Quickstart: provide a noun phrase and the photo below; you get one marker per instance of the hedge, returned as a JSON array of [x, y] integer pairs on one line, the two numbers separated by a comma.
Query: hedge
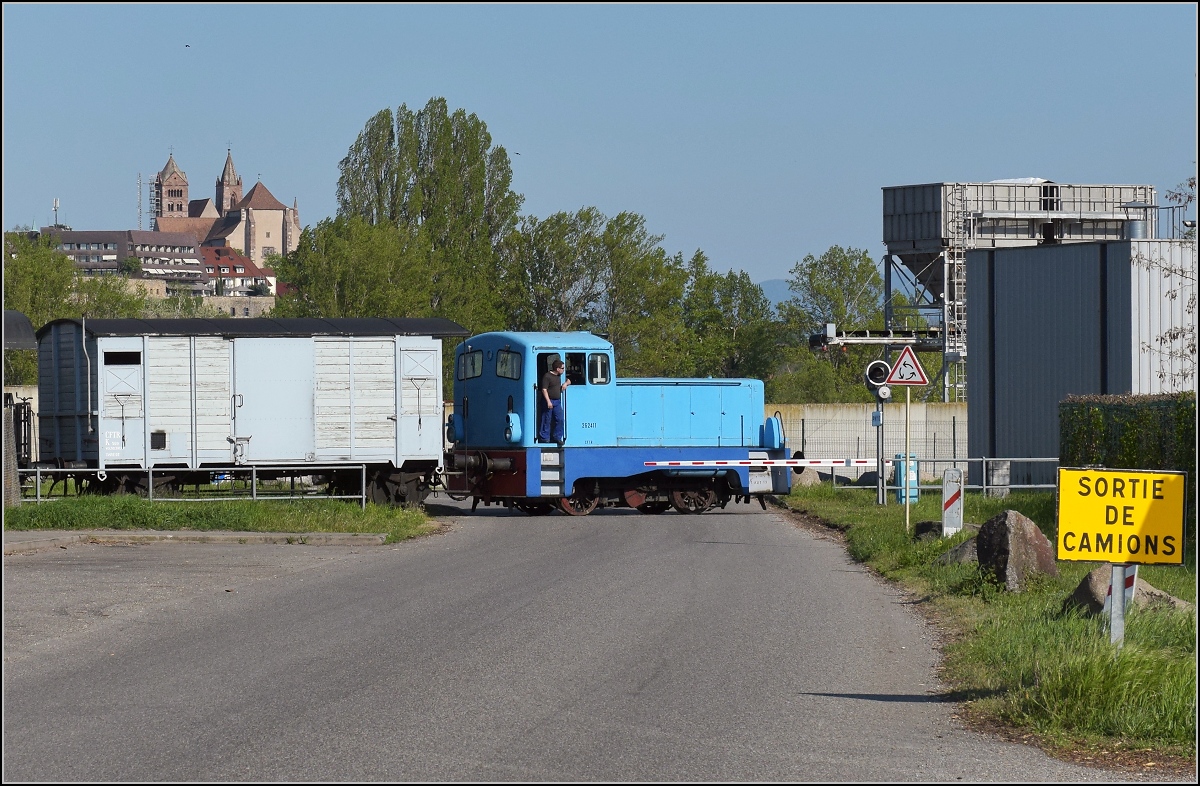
[[1131, 432]]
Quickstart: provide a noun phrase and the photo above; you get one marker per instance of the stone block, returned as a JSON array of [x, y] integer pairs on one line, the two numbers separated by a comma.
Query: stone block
[[1090, 594], [1013, 550]]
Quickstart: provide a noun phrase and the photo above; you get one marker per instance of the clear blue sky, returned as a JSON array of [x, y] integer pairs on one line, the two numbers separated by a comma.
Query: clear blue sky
[[757, 133]]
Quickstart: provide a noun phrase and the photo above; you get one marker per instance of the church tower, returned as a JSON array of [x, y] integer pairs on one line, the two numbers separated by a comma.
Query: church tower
[[229, 186], [170, 191]]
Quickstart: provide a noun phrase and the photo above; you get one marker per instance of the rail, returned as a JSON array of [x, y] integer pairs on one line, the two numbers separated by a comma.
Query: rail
[[217, 476]]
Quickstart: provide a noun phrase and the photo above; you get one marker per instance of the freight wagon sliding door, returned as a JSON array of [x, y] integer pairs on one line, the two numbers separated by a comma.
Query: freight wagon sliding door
[[356, 399], [419, 402], [211, 411], [273, 400]]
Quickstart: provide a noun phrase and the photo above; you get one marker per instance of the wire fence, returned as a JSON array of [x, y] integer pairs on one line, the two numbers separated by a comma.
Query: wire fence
[[211, 484]]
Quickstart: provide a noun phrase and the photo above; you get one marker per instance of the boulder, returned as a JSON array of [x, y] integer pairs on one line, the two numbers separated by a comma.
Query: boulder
[[869, 479], [924, 531], [1013, 550], [1089, 596], [961, 554], [805, 476]]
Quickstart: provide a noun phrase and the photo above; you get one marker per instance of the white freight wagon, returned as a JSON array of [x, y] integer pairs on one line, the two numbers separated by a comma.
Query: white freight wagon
[[125, 395]]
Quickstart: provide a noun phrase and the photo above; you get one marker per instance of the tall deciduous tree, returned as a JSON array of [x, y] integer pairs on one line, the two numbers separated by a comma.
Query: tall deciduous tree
[[555, 271], [437, 174], [583, 271], [730, 322], [641, 310], [842, 286], [347, 267]]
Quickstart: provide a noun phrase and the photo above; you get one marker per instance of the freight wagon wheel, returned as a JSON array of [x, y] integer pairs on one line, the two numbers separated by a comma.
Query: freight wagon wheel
[[378, 492], [532, 507], [654, 508], [693, 500], [130, 484], [411, 493], [578, 506]]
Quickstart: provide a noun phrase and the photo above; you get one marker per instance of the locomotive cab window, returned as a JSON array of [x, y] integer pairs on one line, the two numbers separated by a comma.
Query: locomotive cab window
[[598, 369], [508, 364], [122, 358], [576, 363], [575, 368], [470, 364]]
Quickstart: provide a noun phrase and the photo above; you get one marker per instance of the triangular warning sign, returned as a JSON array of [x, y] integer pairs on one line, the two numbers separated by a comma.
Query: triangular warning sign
[[907, 370]]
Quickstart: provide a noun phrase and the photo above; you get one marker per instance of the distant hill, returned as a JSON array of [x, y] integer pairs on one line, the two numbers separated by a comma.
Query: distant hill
[[776, 290]]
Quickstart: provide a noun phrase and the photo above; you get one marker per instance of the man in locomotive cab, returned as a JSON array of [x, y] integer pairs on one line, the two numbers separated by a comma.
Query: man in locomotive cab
[[553, 424]]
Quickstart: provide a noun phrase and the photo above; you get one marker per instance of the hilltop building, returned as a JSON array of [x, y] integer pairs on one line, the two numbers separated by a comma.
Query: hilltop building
[[257, 224]]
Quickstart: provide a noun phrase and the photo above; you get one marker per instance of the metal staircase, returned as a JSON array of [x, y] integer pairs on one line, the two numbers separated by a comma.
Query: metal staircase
[[960, 220]]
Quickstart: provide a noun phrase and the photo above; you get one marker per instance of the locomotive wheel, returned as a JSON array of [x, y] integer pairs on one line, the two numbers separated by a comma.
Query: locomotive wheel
[[693, 500], [578, 506], [655, 507], [533, 507], [635, 498]]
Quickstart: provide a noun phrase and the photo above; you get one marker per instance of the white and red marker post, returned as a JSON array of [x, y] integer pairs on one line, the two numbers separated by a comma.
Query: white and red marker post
[[952, 501]]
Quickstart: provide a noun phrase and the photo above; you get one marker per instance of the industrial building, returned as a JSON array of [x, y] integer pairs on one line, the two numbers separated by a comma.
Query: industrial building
[[929, 229], [1085, 318]]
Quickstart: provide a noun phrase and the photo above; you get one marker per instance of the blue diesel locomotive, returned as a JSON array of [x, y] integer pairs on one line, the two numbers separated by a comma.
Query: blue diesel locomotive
[[649, 444]]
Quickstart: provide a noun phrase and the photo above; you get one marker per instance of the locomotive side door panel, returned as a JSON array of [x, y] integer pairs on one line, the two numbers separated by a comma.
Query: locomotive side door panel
[[272, 399], [705, 415], [590, 400]]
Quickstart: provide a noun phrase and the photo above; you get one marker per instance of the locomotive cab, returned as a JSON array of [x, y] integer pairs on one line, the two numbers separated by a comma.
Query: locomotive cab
[[497, 402]]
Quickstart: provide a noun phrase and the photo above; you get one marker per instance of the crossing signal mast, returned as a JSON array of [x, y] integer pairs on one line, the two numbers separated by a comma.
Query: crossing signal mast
[[876, 377]]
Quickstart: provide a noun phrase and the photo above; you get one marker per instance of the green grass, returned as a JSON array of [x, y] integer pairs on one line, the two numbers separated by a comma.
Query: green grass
[[1018, 657], [303, 516]]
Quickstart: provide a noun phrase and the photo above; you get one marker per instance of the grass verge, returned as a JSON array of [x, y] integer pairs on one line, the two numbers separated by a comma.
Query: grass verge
[[1016, 659], [303, 516]]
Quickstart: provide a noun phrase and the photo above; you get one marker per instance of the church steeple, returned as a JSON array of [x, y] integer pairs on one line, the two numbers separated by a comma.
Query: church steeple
[[229, 186], [171, 191]]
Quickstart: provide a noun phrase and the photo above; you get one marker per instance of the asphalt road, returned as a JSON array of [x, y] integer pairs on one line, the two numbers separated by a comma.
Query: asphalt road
[[731, 646]]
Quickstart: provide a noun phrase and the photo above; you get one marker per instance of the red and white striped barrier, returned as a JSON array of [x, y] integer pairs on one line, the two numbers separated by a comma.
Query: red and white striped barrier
[[771, 463]]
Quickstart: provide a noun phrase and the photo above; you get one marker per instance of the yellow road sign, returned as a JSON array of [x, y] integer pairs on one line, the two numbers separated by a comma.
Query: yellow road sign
[[1121, 516]]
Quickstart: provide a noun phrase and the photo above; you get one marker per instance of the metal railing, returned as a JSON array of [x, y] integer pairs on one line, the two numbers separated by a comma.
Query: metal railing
[[217, 476], [985, 486]]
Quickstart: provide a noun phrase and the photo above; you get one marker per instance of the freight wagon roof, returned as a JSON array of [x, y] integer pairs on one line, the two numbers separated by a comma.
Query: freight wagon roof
[[291, 327], [18, 331]]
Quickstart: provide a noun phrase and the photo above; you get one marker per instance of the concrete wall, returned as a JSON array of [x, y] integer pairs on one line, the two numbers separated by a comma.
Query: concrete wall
[[841, 431], [256, 305]]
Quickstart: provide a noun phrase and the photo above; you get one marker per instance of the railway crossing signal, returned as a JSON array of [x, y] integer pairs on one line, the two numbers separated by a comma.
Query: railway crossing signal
[[876, 376]]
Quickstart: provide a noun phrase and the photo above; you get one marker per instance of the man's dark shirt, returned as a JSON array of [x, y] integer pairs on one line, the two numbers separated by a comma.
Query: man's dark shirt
[[552, 384]]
